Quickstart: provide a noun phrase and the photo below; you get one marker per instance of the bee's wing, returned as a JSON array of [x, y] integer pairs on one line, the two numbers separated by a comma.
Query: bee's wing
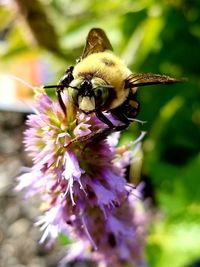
[[142, 79], [96, 41]]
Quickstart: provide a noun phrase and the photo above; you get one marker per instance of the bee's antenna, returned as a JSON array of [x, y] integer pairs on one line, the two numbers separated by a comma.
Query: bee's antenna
[[53, 86], [59, 86], [103, 86]]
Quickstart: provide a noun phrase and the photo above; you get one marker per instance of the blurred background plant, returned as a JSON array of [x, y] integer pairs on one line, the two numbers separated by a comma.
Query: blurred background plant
[[40, 39]]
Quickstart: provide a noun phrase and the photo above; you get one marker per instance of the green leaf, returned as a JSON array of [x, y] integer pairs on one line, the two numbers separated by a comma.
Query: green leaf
[[64, 240]]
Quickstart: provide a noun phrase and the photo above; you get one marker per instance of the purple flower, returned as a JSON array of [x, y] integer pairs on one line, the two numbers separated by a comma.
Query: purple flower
[[82, 185]]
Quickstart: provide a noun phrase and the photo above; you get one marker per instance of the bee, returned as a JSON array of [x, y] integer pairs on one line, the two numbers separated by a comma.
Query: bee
[[100, 82]]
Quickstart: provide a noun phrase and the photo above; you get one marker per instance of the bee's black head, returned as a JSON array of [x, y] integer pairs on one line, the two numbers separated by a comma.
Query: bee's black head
[[89, 94], [86, 89]]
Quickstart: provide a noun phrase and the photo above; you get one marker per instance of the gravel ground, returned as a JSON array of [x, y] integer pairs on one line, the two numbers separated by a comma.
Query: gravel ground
[[18, 238]]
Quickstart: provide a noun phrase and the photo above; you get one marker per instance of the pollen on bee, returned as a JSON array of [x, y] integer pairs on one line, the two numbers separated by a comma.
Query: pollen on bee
[[134, 104]]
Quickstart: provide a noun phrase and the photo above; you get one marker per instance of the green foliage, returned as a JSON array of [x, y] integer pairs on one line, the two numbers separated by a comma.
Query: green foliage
[[64, 240], [152, 36]]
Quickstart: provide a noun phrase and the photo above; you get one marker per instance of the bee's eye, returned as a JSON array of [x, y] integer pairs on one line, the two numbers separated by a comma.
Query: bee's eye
[[101, 96], [98, 92], [73, 90], [73, 94]]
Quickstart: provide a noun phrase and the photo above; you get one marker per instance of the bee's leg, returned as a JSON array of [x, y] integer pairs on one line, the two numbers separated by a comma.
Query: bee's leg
[[121, 117], [68, 76], [121, 127], [58, 92], [104, 119], [64, 82], [101, 134]]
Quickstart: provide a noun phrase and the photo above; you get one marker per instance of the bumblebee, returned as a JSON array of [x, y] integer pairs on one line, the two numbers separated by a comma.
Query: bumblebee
[[100, 82]]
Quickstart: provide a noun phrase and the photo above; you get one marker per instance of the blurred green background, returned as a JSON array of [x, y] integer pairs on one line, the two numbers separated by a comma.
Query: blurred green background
[[40, 39]]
